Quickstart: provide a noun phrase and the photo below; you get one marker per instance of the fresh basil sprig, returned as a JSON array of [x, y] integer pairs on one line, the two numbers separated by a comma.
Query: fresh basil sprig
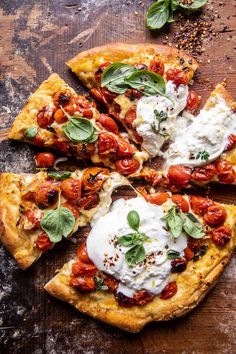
[[31, 132], [58, 222], [147, 82], [174, 222], [60, 175], [114, 77]]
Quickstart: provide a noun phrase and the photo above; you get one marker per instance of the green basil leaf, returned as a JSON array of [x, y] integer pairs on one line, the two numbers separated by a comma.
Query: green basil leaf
[[196, 4], [60, 175], [100, 284], [31, 132], [174, 222], [135, 255], [158, 14], [93, 138], [172, 254], [193, 229], [147, 82], [133, 220], [113, 77], [79, 130], [174, 4], [58, 223], [132, 239]]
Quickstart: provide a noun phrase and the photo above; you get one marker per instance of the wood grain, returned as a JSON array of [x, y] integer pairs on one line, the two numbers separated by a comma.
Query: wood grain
[[36, 39]]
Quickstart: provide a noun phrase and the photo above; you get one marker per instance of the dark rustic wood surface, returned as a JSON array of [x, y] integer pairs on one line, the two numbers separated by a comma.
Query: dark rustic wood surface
[[37, 38]]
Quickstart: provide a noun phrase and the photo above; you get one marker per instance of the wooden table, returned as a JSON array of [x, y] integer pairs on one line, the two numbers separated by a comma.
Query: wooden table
[[37, 38]]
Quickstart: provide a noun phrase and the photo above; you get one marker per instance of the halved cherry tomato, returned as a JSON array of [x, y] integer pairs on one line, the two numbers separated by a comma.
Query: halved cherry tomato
[[81, 268], [124, 148], [169, 291], [200, 205], [179, 175], [188, 253], [132, 94], [60, 116], [108, 123], [83, 106], [124, 300], [181, 202], [225, 172], [45, 117], [177, 76], [204, 173], [231, 142], [70, 107], [178, 265], [71, 189], [100, 70], [83, 284], [215, 215], [127, 166], [33, 218], [43, 243], [157, 198], [142, 297], [157, 67], [44, 159], [111, 282], [88, 202], [93, 178], [107, 145], [82, 253], [62, 97], [72, 208], [221, 236], [46, 194], [193, 101], [130, 116]]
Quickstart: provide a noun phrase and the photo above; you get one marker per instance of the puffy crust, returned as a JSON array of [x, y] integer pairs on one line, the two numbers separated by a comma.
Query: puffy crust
[[86, 63], [193, 285]]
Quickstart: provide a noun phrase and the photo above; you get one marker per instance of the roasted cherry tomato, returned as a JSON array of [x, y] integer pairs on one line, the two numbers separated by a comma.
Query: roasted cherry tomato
[[83, 284], [62, 146], [100, 70], [46, 195], [93, 178], [43, 243], [231, 142], [38, 140], [107, 145], [177, 76], [60, 116], [225, 172], [204, 173], [97, 94], [83, 106], [44, 159], [215, 215], [157, 198], [178, 265], [62, 97], [82, 253], [45, 117], [142, 297], [111, 282], [200, 205], [127, 166], [221, 236], [157, 67], [132, 94], [179, 175], [124, 148], [32, 218], [181, 202], [72, 208], [71, 189], [88, 202], [108, 95], [83, 150], [188, 253], [108, 123], [81, 268], [193, 101], [130, 116], [169, 290], [124, 300]]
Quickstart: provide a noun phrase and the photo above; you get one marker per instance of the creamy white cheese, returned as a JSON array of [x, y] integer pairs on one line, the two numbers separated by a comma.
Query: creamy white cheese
[[109, 256], [146, 122], [207, 132]]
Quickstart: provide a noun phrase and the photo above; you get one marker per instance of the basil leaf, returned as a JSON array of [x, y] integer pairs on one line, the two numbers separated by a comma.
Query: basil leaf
[[133, 220], [132, 239], [158, 14], [58, 223], [31, 132], [100, 284], [196, 4], [174, 5], [174, 222], [79, 130], [60, 175], [93, 138], [193, 229], [147, 82], [172, 254], [135, 255], [113, 77]]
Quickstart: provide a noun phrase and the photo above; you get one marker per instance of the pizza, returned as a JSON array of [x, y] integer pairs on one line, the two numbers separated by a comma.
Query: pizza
[[150, 258], [56, 117], [37, 210]]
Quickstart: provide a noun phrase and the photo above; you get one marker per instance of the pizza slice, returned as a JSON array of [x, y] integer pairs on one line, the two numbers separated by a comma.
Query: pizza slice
[[37, 210], [148, 259], [56, 117]]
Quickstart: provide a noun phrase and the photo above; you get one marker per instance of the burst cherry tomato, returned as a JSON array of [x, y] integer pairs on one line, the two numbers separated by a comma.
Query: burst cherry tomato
[[45, 117], [108, 95], [88, 202], [142, 297], [157, 67], [43, 243], [179, 175], [38, 140], [188, 253], [83, 106], [215, 215], [204, 173], [62, 97], [83, 284], [93, 178], [130, 116], [200, 205], [192, 101], [71, 189], [62, 146], [124, 300], [225, 172], [81, 268], [44, 159], [177, 76], [132, 94], [100, 70], [231, 142], [33, 218], [124, 148], [60, 116], [46, 194], [127, 166], [82, 253], [107, 145], [108, 123], [178, 265], [169, 290], [72, 208], [181, 202], [97, 94], [157, 198], [111, 282], [221, 236]]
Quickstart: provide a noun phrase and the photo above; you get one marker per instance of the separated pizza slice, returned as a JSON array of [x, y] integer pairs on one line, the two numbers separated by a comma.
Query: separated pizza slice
[[38, 210], [56, 117], [149, 259]]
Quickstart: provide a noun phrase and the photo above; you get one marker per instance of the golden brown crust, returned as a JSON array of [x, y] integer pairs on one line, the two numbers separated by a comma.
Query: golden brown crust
[[193, 284], [86, 63]]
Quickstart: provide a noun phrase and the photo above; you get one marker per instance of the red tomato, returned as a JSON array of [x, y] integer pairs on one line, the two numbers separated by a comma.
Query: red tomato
[[204, 173], [100, 70], [177, 76], [221, 236], [189, 254], [127, 166], [179, 175], [83, 106], [108, 123], [83, 284], [132, 94], [47, 194], [97, 94], [82, 253], [178, 265], [72, 208], [38, 140], [157, 67], [108, 95], [88, 202], [71, 189], [124, 148], [93, 178], [130, 116], [181, 202], [45, 117], [44, 159], [33, 218], [124, 300], [142, 297], [169, 291], [60, 116], [157, 198], [107, 145], [200, 205], [62, 97], [43, 243], [111, 282], [225, 172], [81, 268], [215, 215], [192, 101], [231, 142]]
